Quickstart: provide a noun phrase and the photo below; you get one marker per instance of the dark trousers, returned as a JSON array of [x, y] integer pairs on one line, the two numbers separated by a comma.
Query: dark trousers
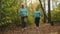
[[37, 20], [23, 21]]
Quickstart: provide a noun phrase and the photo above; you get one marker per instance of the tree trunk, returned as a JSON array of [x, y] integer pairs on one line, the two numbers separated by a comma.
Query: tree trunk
[[44, 12], [0, 8], [49, 13]]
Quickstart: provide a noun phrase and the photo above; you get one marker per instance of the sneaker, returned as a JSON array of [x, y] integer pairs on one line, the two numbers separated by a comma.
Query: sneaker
[[37, 27], [24, 29]]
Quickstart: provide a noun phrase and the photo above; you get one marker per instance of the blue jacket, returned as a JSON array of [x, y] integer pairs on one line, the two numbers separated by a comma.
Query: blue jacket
[[37, 14], [23, 12]]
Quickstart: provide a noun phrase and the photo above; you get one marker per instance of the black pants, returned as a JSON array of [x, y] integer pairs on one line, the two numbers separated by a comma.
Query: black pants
[[23, 22], [37, 20]]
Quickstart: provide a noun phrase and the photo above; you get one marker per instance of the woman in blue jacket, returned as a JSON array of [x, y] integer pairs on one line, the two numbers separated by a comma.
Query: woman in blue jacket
[[37, 17], [23, 13]]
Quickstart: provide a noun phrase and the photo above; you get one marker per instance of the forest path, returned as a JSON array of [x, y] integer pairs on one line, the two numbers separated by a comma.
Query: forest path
[[43, 29]]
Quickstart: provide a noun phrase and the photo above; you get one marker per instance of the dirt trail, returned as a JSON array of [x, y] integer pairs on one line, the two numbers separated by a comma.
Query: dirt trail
[[43, 29]]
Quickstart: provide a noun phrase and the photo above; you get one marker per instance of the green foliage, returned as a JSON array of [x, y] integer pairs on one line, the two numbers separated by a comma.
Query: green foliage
[[55, 14], [10, 15], [9, 11], [30, 16]]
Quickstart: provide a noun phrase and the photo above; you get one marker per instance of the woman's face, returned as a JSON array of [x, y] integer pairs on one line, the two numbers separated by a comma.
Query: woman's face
[[22, 6], [37, 9]]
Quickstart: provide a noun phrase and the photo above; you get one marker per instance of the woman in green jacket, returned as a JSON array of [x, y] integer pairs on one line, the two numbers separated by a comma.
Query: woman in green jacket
[[37, 17], [24, 14]]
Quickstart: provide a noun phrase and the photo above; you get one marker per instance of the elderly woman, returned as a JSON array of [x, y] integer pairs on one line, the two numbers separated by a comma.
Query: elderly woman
[[23, 13], [37, 17]]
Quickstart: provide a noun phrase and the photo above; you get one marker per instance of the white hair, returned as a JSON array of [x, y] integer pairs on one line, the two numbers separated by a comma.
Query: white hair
[[22, 3]]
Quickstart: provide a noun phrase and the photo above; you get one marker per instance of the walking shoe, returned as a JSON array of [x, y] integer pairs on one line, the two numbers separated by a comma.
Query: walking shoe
[[37, 27], [24, 29]]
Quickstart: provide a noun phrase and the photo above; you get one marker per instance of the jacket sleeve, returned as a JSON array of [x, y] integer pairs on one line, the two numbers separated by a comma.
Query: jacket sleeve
[[27, 12], [40, 13]]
